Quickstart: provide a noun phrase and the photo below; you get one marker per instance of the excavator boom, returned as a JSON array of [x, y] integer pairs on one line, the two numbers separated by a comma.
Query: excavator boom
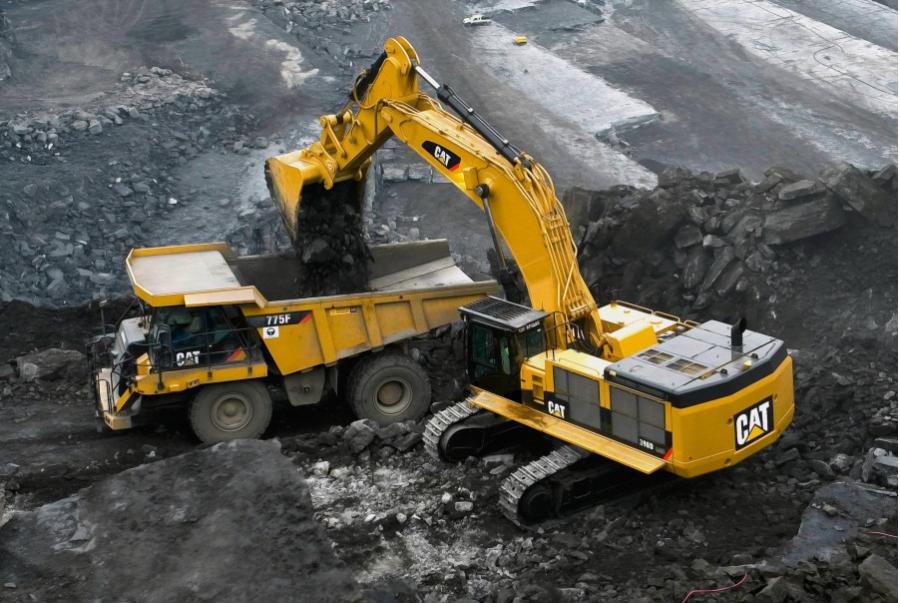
[[515, 192]]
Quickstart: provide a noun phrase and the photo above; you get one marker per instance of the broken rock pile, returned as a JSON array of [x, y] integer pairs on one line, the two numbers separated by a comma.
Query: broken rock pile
[[320, 23], [720, 235], [82, 186]]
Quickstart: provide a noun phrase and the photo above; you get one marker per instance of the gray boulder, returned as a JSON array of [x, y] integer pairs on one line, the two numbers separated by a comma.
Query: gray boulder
[[723, 259], [834, 516], [51, 363], [859, 192], [359, 435], [802, 220], [801, 188], [695, 267], [880, 576], [649, 225], [230, 523]]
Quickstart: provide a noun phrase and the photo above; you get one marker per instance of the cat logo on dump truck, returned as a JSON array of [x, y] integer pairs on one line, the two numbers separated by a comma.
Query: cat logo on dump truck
[[753, 423], [448, 158]]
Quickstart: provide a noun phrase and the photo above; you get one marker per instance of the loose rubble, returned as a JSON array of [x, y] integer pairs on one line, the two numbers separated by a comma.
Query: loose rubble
[[716, 241], [319, 24], [73, 204]]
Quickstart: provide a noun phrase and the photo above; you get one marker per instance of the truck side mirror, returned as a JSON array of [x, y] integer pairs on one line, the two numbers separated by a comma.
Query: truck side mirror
[[164, 336], [162, 357]]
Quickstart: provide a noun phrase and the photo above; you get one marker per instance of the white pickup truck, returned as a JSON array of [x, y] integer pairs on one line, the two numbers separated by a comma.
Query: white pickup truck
[[476, 20]]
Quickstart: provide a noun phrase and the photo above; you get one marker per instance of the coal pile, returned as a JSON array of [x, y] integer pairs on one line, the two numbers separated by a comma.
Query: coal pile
[[703, 243], [331, 242], [229, 523]]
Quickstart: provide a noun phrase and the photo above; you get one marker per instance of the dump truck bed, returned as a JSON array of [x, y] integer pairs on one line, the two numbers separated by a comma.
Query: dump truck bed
[[413, 289], [191, 275]]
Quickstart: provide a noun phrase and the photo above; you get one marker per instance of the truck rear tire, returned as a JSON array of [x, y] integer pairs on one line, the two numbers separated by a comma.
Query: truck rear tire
[[389, 387], [231, 411]]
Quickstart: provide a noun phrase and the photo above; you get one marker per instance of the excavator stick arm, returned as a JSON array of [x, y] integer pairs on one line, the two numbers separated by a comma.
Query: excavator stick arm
[[515, 192]]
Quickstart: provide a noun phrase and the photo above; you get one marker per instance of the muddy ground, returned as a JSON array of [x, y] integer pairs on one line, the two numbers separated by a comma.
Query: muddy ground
[[138, 123]]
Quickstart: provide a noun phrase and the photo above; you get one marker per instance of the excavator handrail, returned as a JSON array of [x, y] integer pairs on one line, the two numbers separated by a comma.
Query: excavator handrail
[[672, 317]]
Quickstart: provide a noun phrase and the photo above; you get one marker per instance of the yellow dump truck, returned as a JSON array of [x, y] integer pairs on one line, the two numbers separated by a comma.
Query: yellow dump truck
[[222, 336]]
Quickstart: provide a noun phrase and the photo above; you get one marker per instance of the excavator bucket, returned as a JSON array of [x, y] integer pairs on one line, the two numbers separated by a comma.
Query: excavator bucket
[[286, 177], [331, 169], [302, 194]]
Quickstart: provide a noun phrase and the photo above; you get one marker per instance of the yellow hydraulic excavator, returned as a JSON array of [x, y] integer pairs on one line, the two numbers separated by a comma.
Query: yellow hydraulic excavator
[[624, 391]]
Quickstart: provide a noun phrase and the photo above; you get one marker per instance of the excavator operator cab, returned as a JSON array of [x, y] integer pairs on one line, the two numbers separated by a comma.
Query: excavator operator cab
[[500, 335]]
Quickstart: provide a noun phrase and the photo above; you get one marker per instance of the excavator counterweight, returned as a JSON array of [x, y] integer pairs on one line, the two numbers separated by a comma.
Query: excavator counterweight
[[626, 391]]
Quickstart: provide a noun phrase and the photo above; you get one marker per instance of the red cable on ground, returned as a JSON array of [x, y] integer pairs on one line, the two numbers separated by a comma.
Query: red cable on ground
[[886, 534], [709, 591]]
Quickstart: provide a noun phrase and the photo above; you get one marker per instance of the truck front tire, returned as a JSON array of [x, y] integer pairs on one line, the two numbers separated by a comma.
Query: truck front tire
[[231, 411], [389, 387]]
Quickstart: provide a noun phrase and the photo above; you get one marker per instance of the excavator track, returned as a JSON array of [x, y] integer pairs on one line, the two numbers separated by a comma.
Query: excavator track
[[464, 430], [531, 475], [560, 483], [568, 480], [440, 423]]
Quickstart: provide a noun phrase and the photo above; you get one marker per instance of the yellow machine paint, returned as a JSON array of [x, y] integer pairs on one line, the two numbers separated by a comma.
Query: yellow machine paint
[[704, 416], [294, 344]]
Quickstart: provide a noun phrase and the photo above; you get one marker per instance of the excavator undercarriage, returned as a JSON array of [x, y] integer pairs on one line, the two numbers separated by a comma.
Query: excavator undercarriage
[[564, 481]]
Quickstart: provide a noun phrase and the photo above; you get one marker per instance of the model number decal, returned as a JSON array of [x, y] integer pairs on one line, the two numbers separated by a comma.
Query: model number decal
[[279, 320]]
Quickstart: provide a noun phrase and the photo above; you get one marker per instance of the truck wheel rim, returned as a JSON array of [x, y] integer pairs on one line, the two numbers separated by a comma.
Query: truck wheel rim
[[231, 412], [393, 395]]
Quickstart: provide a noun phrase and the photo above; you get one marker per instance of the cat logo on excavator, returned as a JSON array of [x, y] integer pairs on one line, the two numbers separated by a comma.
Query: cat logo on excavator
[[448, 158], [753, 423]]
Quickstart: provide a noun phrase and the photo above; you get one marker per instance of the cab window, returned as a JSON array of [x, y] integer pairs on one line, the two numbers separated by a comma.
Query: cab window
[[483, 351], [531, 342], [505, 362], [197, 336]]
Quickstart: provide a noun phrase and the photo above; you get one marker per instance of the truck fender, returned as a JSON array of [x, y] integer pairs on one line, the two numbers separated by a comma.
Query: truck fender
[[305, 388]]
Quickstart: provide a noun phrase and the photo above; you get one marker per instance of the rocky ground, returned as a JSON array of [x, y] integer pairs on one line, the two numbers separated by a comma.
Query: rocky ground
[[162, 143], [813, 516]]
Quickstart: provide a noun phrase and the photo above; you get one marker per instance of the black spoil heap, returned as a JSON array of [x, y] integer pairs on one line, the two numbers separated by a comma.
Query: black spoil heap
[[330, 241], [716, 245]]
